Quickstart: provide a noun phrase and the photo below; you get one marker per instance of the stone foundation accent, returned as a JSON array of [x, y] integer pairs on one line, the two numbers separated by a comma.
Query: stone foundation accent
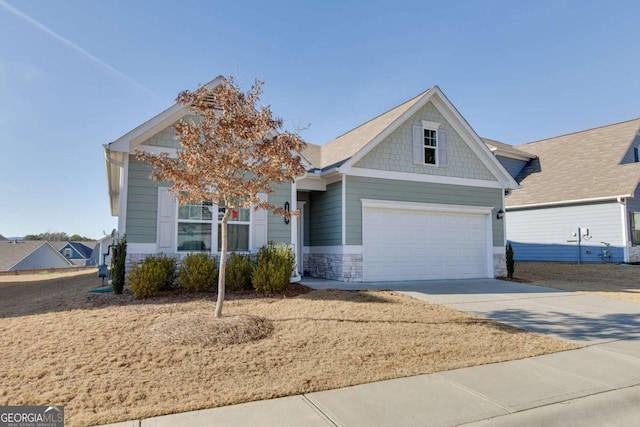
[[499, 265], [342, 267], [634, 254]]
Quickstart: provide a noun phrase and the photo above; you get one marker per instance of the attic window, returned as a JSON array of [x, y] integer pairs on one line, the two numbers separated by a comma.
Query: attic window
[[429, 144], [636, 154]]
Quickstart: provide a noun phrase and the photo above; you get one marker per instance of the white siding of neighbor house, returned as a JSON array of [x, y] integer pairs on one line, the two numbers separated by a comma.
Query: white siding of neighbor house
[[43, 257], [542, 234]]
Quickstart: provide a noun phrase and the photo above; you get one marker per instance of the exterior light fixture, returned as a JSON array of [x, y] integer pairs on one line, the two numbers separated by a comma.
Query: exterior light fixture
[[287, 208], [500, 214]]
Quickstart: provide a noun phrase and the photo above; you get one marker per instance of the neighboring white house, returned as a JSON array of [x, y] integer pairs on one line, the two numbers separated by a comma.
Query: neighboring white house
[[411, 194], [30, 255], [579, 198]]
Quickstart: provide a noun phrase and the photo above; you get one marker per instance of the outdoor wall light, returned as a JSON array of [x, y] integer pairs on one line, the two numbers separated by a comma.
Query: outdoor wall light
[[500, 214], [287, 208]]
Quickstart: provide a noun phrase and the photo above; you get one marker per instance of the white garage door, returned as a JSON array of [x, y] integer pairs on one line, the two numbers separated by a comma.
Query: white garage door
[[424, 244]]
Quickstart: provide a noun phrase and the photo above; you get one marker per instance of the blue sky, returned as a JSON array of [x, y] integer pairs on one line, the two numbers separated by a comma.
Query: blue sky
[[77, 74]]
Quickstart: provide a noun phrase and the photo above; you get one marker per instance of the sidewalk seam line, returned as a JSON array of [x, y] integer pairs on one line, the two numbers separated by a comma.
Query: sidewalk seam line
[[475, 393], [317, 408]]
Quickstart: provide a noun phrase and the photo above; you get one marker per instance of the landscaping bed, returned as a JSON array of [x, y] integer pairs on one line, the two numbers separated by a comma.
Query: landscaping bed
[[111, 358]]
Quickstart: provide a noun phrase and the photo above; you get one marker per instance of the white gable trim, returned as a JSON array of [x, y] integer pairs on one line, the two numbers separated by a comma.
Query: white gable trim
[[129, 141], [459, 124], [416, 177]]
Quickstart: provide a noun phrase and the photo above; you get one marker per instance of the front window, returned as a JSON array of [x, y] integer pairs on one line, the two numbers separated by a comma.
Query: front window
[[635, 228], [430, 146], [194, 227], [197, 228], [237, 229]]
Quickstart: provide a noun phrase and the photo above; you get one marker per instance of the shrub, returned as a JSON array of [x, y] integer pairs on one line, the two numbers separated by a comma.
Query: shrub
[[198, 273], [511, 264], [272, 273], [118, 263], [152, 275], [238, 272]]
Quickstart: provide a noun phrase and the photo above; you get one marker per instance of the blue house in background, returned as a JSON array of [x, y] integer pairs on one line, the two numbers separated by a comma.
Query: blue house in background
[[79, 253], [579, 199]]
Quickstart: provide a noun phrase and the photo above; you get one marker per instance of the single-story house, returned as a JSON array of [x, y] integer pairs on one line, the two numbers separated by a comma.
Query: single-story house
[[2, 238], [79, 253], [411, 194], [30, 255], [579, 199]]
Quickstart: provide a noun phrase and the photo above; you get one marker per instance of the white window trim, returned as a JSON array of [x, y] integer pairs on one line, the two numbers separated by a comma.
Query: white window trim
[[427, 125], [215, 222]]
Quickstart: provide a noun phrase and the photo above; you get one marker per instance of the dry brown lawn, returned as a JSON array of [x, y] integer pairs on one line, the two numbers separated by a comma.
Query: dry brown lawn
[[616, 281], [109, 358]]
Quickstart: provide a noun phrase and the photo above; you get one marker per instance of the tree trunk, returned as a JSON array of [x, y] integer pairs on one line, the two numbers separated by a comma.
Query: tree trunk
[[223, 262]]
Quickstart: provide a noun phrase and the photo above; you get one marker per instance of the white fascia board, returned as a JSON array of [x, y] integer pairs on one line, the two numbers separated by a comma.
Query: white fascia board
[[460, 124], [415, 177], [311, 182], [385, 133], [571, 202], [426, 207], [129, 141]]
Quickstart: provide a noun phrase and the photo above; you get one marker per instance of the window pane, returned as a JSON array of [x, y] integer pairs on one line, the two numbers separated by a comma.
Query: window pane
[[430, 156], [241, 214], [635, 228], [196, 211], [237, 237], [194, 236]]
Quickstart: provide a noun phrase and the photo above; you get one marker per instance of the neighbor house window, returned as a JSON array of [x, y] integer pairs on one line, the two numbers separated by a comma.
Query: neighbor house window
[[635, 228], [198, 228], [68, 252], [636, 154]]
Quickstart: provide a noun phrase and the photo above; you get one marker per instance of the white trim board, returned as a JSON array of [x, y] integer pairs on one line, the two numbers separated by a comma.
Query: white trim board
[[434, 179], [433, 207]]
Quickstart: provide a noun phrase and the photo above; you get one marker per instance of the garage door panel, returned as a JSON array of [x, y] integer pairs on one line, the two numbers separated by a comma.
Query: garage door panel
[[423, 245]]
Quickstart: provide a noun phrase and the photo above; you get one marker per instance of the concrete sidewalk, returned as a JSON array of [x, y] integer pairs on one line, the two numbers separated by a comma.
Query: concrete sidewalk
[[598, 385]]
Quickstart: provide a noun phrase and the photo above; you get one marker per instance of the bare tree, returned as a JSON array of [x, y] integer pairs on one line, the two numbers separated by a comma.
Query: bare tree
[[231, 151]]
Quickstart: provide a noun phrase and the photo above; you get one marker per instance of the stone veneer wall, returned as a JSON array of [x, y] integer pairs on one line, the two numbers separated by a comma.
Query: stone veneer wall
[[634, 254], [342, 267], [499, 265]]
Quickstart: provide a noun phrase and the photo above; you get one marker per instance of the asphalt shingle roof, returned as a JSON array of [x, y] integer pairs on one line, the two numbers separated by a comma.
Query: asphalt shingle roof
[[12, 252], [349, 143], [581, 165]]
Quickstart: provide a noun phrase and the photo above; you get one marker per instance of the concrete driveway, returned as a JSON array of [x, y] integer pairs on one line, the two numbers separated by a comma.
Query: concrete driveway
[[598, 385]]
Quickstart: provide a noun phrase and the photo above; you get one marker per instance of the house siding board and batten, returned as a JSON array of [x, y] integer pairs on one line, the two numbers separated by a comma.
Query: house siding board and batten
[[395, 152], [359, 188], [544, 234]]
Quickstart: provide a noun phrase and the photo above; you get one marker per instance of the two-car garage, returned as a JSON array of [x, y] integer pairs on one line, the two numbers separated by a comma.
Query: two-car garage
[[419, 241]]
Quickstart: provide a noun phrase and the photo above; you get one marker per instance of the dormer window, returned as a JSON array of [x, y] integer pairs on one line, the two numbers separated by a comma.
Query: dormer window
[[636, 154]]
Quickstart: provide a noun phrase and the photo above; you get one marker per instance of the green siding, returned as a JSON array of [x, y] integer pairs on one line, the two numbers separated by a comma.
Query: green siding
[[142, 203], [304, 196], [381, 189], [325, 216], [277, 230]]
